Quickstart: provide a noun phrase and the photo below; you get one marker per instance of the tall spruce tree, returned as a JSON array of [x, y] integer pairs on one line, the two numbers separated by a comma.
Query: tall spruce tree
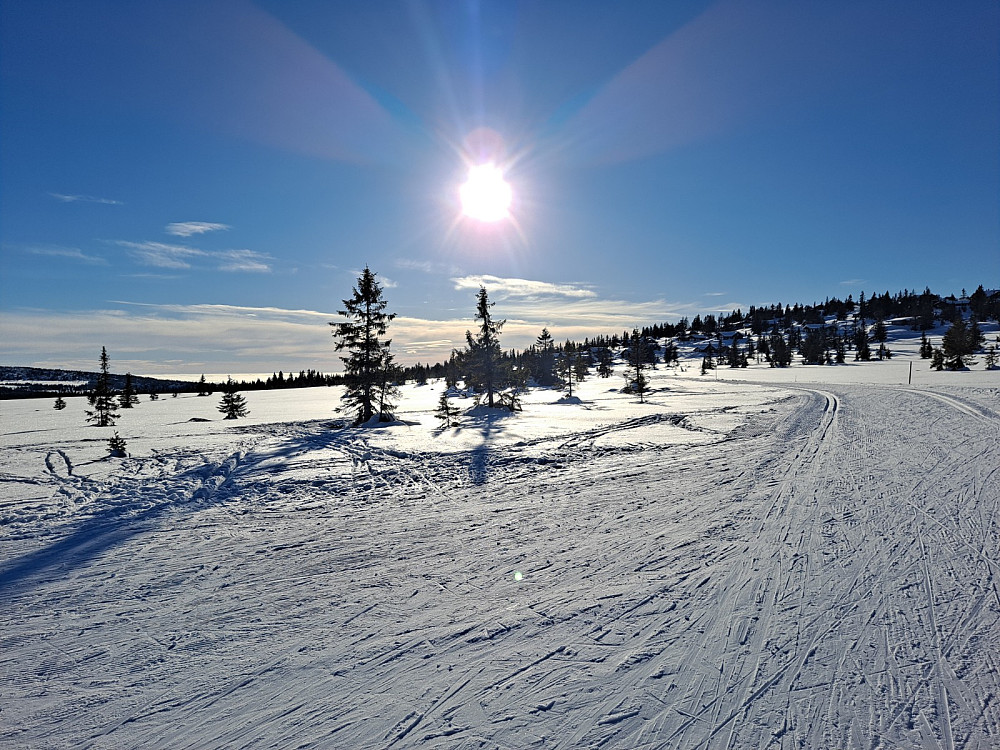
[[637, 363], [483, 356], [361, 335], [102, 398]]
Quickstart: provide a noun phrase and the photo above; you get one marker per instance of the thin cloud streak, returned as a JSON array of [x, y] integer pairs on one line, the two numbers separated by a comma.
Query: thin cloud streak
[[506, 287], [164, 255], [190, 228], [160, 254], [85, 199], [70, 253]]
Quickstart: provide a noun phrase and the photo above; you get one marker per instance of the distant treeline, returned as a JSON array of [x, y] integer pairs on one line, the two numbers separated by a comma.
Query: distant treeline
[[920, 311]]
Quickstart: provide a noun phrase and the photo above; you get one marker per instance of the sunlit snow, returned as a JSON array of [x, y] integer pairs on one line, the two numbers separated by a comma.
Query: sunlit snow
[[730, 565]]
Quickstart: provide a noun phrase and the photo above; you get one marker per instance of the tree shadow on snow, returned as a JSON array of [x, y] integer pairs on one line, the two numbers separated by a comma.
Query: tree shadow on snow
[[488, 422]]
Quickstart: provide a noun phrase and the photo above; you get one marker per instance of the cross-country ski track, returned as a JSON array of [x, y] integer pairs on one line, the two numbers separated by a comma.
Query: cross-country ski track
[[814, 567]]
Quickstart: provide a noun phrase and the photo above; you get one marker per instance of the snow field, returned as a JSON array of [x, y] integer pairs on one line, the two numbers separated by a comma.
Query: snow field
[[731, 565]]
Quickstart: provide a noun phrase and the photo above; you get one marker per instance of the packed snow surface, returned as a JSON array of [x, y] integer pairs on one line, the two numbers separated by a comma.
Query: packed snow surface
[[729, 565]]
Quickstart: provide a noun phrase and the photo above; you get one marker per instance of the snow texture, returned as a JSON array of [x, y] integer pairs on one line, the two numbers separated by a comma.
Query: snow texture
[[729, 565]]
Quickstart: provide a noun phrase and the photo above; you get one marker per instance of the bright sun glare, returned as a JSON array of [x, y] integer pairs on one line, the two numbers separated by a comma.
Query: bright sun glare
[[485, 195]]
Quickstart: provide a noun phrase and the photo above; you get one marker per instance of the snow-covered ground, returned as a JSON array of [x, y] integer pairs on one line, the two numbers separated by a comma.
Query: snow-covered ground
[[802, 564]]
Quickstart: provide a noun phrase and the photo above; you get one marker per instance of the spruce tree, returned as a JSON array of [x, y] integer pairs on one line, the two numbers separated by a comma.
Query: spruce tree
[[879, 332], [367, 360], [116, 446], [581, 365], [102, 398], [781, 353], [926, 350], [388, 391], [637, 363], [60, 403], [604, 362], [733, 355], [862, 347], [451, 370], [483, 355], [233, 405], [958, 345], [446, 412], [128, 399], [707, 362], [203, 389], [991, 358], [937, 360], [544, 360]]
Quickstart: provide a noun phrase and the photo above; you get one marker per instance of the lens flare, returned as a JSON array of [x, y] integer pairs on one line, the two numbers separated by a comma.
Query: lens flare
[[485, 195]]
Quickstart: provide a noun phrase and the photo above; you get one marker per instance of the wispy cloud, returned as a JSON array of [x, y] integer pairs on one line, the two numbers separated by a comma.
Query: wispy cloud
[[85, 199], [716, 294], [164, 255], [70, 253], [242, 261], [502, 288], [191, 228], [426, 266], [853, 282], [160, 254]]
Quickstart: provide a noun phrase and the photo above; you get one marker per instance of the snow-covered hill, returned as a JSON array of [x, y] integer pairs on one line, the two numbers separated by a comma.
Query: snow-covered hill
[[730, 565], [30, 381]]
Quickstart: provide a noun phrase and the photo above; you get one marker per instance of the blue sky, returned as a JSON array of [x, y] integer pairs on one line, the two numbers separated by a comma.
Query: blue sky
[[196, 185]]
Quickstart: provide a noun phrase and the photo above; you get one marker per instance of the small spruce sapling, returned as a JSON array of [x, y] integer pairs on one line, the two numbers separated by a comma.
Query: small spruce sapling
[[446, 412], [116, 446], [937, 360], [510, 399], [991, 358], [60, 403]]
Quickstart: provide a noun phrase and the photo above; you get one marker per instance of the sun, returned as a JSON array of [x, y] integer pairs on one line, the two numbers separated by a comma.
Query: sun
[[485, 195]]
